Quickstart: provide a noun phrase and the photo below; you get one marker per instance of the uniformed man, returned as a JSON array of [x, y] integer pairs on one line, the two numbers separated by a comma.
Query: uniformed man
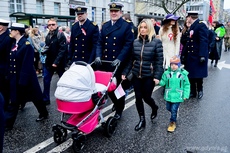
[[5, 47], [114, 44], [84, 37], [24, 85], [195, 54]]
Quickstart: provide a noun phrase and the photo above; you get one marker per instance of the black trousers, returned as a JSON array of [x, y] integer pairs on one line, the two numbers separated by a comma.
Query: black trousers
[[2, 120], [196, 85], [143, 88]]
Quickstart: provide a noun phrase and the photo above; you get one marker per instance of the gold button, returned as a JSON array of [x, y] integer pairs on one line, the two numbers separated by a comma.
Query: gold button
[[82, 39], [10, 59], [10, 71], [114, 44], [191, 40], [106, 37], [10, 53], [105, 49], [113, 50], [75, 56], [76, 38], [105, 56], [188, 51], [192, 51], [14, 60], [192, 46], [75, 50], [114, 38], [83, 51], [113, 56], [14, 71], [83, 57], [14, 65], [105, 43], [83, 45], [75, 44]]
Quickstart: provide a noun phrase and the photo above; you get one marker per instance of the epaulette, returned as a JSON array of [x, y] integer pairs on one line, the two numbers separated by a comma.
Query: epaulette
[[94, 23], [10, 36], [201, 22], [128, 21], [27, 42], [73, 23]]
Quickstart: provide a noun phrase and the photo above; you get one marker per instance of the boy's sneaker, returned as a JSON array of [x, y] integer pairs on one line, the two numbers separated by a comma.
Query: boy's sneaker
[[172, 127]]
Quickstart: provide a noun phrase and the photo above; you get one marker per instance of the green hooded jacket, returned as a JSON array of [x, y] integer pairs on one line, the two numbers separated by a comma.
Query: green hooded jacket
[[177, 85]]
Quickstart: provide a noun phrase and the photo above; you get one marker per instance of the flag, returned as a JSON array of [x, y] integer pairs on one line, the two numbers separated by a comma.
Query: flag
[[212, 11], [119, 92]]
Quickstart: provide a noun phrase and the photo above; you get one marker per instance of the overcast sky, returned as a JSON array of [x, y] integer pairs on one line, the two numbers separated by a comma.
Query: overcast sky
[[226, 4]]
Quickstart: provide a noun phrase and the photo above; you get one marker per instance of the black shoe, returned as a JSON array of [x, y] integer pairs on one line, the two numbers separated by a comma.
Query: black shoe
[[47, 102], [192, 95], [200, 94], [141, 124], [154, 113], [215, 65], [41, 118], [117, 116]]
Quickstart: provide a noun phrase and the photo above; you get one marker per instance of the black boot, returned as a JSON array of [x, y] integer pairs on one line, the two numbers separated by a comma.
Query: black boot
[[216, 61], [141, 124], [154, 112]]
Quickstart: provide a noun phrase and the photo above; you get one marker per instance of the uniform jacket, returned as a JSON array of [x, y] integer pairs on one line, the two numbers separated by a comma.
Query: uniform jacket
[[24, 83], [5, 46], [147, 59], [195, 48], [170, 48], [57, 50], [177, 86], [83, 42], [115, 42]]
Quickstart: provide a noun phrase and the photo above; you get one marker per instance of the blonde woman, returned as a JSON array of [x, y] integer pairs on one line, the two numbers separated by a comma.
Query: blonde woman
[[170, 36], [36, 41], [146, 66]]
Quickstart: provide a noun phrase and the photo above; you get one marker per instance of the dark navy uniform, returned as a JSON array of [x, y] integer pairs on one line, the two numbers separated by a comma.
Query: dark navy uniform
[[115, 42], [2, 121], [195, 49], [24, 85], [83, 41], [5, 47]]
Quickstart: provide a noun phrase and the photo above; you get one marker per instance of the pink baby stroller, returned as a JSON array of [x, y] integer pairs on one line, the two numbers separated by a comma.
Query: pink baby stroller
[[82, 93]]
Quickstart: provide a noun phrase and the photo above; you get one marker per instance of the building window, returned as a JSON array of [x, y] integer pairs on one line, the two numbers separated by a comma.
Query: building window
[[103, 14], [16, 6], [93, 13], [39, 6], [57, 8]]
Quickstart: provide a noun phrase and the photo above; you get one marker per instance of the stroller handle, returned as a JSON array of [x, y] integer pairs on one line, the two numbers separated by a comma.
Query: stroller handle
[[81, 63]]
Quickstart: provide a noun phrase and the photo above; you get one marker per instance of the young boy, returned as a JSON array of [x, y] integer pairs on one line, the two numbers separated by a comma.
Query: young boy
[[177, 89]]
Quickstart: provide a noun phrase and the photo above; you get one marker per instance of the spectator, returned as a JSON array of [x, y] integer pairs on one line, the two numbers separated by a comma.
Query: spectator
[[127, 17], [227, 37], [156, 27]]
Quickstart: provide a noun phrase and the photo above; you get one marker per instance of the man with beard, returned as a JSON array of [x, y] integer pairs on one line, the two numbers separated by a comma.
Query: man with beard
[[84, 36]]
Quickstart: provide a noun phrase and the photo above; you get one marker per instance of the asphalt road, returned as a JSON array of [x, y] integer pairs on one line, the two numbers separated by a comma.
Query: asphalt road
[[202, 127]]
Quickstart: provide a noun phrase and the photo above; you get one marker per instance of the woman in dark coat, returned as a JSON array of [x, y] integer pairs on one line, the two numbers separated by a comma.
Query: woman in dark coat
[[23, 81], [146, 65]]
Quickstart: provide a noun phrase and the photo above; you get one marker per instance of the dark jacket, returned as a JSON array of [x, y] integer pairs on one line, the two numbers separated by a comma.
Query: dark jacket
[[24, 85], [147, 59], [83, 42], [195, 48], [56, 53], [115, 42]]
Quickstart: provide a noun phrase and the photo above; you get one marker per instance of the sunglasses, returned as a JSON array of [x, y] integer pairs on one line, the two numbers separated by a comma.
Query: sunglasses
[[51, 25]]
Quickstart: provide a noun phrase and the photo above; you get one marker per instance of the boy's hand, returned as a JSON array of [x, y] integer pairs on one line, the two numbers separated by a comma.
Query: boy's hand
[[123, 77], [156, 81]]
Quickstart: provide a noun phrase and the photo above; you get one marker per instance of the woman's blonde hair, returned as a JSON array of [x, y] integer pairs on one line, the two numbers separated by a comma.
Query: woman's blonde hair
[[33, 32], [150, 28]]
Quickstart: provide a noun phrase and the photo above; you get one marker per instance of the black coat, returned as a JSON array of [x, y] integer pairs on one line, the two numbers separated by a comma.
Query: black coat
[[115, 42], [195, 48], [83, 42], [57, 51], [24, 85], [147, 59]]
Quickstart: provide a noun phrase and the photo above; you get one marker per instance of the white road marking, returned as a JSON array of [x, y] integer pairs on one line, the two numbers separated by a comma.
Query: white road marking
[[68, 143]]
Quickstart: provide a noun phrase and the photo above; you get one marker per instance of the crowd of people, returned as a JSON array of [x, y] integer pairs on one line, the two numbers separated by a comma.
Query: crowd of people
[[152, 54]]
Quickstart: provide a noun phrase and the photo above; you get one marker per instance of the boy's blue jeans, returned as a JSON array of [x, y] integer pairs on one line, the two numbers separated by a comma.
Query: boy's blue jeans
[[172, 108]]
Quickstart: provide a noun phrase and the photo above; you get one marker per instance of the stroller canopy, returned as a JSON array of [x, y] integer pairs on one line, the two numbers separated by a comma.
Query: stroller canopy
[[77, 84]]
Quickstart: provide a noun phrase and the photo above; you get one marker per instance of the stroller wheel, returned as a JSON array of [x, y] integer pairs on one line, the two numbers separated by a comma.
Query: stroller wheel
[[78, 142], [110, 126], [60, 134]]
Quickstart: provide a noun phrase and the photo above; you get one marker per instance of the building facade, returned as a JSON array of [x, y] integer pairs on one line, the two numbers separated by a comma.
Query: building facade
[[219, 7]]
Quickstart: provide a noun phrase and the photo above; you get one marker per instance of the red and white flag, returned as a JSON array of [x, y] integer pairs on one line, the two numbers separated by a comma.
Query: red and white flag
[[83, 31], [212, 11], [119, 92]]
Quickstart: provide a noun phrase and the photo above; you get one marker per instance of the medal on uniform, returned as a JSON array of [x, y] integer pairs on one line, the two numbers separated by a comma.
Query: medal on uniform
[[83, 31]]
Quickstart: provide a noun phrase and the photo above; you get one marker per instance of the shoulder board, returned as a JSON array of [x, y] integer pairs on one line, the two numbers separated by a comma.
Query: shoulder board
[[73, 23], [94, 23], [128, 21], [200, 22], [27, 42]]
